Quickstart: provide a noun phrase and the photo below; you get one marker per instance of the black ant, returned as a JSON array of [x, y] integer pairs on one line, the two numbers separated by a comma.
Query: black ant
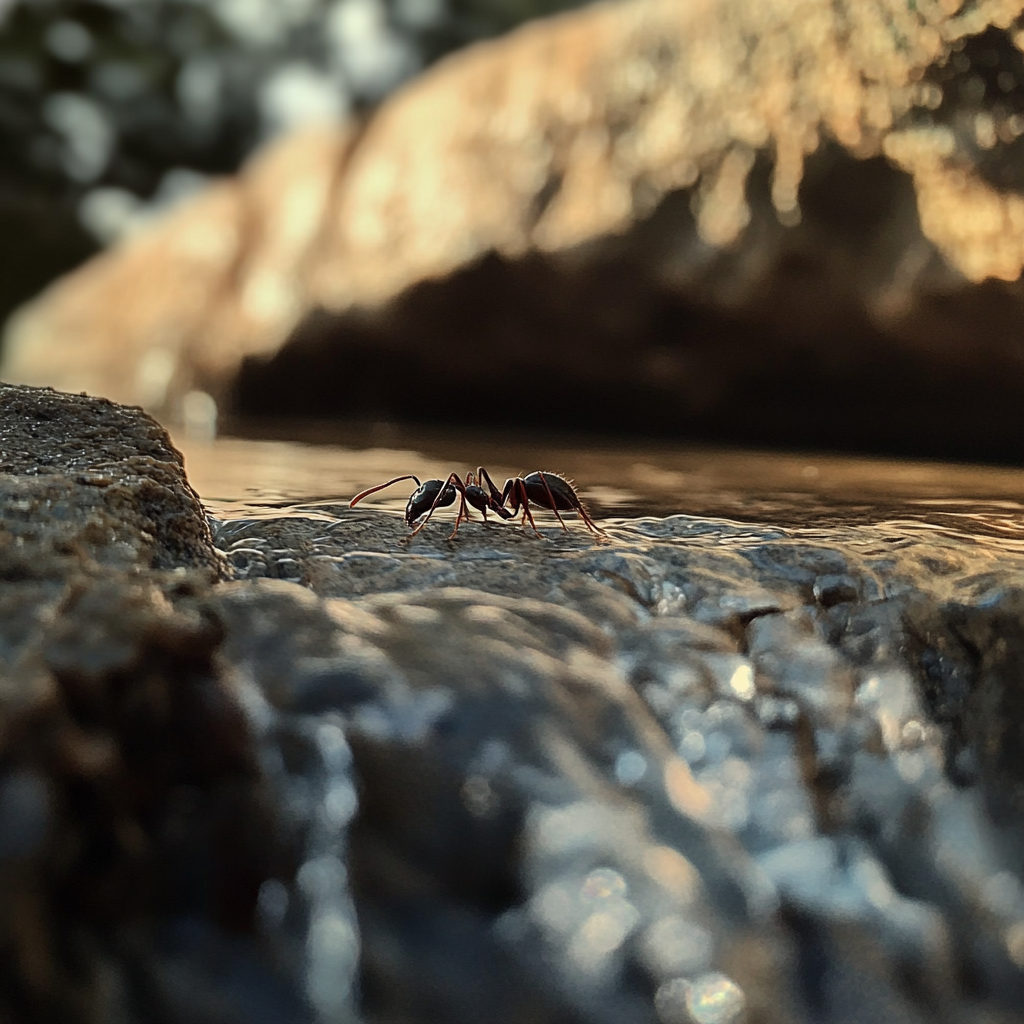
[[546, 490]]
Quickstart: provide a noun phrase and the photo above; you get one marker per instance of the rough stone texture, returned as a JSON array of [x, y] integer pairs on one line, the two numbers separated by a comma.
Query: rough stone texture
[[155, 862], [698, 772], [755, 220], [85, 475]]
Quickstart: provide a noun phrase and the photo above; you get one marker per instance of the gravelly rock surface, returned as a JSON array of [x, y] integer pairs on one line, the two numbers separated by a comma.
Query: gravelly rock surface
[[701, 771], [85, 475], [697, 771]]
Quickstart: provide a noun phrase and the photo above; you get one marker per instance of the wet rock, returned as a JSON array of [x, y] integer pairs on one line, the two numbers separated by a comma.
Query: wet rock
[[131, 803], [714, 260], [647, 777], [156, 862], [968, 657], [594, 804]]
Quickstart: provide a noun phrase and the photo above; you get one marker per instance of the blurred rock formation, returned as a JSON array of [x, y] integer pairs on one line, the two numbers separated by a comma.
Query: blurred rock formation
[[777, 221], [149, 854], [112, 112]]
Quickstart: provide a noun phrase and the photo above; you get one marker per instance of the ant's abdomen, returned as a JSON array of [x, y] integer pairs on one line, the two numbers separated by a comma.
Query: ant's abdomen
[[561, 490]]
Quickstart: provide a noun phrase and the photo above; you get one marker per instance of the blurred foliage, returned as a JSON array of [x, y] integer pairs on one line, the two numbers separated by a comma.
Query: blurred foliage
[[469, 20], [112, 109]]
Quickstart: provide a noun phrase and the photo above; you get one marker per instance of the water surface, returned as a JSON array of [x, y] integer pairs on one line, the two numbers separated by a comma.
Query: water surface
[[246, 479]]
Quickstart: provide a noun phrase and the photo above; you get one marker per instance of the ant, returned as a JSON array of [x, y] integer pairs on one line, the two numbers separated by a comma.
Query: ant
[[546, 490]]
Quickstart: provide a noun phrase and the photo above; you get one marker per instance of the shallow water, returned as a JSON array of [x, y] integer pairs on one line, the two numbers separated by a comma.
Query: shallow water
[[245, 479]]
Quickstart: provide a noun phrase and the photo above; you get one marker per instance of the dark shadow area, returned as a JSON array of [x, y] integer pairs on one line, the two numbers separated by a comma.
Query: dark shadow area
[[984, 75], [431, 878], [892, 405], [655, 334], [40, 238]]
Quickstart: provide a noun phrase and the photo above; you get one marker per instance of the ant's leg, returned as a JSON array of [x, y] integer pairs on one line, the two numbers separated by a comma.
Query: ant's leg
[[430, 511], [591, 525], [509, 495], [472, 480], [380, 487], [485, 478], [423, 522], [526, 508], [497, 498], [480, 499], [578, 506], [463, 511], [582, 513], [574, 499], [551, 498], [452, 479]]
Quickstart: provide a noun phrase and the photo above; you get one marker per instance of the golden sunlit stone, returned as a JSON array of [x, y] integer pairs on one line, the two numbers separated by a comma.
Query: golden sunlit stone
[[671, 870], [687, 795], [571, 129]]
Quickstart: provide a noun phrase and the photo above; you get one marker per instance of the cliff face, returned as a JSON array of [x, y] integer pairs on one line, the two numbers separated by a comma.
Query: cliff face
[[746, 220]]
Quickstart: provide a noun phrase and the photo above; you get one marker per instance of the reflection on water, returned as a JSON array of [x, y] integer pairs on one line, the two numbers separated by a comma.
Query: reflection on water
[[257, 478]]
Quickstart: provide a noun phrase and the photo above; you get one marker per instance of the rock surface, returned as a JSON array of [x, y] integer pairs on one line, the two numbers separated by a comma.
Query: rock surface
[[151, 851], [695, 771], [84, 476], [678, 217]]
